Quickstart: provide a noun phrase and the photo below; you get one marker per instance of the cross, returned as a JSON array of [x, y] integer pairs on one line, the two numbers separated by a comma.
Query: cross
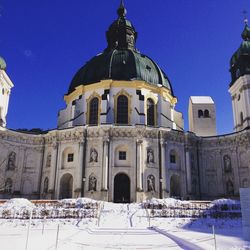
[[244, 12]]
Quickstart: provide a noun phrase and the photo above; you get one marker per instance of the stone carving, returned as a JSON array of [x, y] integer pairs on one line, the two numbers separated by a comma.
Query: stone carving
[[11, 161], [93, 155], [48, 161], [151, 183], [92, 183], [150, 156], [227, 164]]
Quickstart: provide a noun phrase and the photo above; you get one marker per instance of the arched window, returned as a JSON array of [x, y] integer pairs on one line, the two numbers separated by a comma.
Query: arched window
[[200, 113], [122, 110], [206, 113], [8, 186], [46, 185], [150, 112], [93, 111]]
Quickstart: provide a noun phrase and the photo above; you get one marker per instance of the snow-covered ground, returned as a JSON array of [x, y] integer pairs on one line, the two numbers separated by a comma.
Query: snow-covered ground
[[115, 226]]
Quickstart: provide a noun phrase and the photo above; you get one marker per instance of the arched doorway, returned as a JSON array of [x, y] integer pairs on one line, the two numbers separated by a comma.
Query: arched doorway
[[121, 188], [175, 189], [66, 186]]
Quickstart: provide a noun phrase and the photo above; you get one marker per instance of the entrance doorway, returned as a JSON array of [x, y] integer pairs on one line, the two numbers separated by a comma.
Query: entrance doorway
[[121, 189]]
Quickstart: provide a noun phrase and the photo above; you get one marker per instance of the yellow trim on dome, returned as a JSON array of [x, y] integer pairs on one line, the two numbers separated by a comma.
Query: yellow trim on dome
[[108, 84]]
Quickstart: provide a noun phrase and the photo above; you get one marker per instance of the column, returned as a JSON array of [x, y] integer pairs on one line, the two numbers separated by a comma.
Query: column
[[105, 165], [78, 185], [188, 170], [139, 165], [163, 177]]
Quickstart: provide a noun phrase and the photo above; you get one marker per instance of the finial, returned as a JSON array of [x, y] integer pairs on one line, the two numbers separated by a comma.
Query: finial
[[121, 10], [245, 17]]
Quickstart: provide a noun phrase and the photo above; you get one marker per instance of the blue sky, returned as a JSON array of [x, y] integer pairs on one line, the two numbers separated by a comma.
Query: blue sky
[[45, 42]]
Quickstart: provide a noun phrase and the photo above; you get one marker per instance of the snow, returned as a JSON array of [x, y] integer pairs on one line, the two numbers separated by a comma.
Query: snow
[[202, 99], [225, 202], [118, 226], [18, 203]]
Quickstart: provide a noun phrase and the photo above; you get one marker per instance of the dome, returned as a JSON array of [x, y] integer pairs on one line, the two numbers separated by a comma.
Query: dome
[[120, 64], [2, 64], [244, 48], [120, 60]]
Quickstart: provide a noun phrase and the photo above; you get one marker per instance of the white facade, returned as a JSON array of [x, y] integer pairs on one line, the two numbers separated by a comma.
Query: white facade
[[240, 94], [123, 140], [202, 116], [5, 89]]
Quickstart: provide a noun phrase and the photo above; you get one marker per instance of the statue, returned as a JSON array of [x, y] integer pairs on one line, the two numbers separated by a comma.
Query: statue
[[92, 183], [11, 161], [150, 156], [93, 155], [227, 164], [151, 183]]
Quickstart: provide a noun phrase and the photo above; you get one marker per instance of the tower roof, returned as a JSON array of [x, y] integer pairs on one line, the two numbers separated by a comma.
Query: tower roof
[[120, 60]]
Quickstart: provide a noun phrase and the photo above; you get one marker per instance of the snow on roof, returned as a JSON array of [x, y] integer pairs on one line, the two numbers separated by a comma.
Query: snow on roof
[[225, 201], [201, 99], [18, 203]]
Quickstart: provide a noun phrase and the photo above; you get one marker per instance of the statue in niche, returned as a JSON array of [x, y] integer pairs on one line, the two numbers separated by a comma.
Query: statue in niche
[[11, 161], [48, 161], [227, 164], [151, 183], [92, 183], [93, 155], [230, 188], [150, 156]]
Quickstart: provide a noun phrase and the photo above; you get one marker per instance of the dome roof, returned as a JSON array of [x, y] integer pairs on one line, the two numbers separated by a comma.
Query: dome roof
[[244, 48], [122, 64], [120, 60]]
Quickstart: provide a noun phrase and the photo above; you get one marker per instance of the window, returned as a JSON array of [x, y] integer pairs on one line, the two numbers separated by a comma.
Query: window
[[122, 110], [93, 111], [172, 158], [70, 157], [150, 112], [122, 155], [200, 113], [206, 113]]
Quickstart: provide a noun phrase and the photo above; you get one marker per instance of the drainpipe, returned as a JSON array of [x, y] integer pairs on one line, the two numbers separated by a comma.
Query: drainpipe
[[84, 162], [160, 164], [42, 165], [55, 175]]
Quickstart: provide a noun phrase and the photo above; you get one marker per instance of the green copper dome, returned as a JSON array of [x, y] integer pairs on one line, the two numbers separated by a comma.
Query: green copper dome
[[240, 61], [120, 60], [2, 64]]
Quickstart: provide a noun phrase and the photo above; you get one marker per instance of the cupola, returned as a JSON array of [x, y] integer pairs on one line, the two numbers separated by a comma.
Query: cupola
[[240, 61]]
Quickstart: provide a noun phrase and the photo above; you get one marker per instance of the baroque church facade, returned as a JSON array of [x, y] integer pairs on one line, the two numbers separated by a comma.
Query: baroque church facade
[[120, 138]]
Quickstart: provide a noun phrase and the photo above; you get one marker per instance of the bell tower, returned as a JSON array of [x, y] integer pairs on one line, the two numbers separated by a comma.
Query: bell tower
[[239, 87], [5, 89]]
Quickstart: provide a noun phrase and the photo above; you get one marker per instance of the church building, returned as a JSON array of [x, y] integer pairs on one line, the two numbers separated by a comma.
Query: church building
[[120, 137]]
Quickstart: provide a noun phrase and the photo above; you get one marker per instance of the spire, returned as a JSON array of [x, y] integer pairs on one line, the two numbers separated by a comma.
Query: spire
[[121, 11], [246, 32]]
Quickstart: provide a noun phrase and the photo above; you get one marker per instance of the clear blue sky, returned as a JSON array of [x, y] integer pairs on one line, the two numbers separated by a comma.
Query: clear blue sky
[[45, 42]]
